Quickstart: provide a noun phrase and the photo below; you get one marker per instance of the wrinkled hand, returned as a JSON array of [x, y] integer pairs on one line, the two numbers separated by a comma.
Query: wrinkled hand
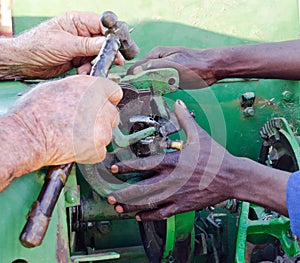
[[195, 66], [70, 40], [196, 177], [69, 119]]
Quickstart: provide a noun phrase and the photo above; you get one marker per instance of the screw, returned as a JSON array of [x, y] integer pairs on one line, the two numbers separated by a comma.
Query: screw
[[249, 112], [287, 95]]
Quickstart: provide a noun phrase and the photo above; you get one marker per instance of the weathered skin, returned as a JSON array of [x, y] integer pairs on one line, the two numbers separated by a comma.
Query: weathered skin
[[58, 122], [202, 174], [70, 40]]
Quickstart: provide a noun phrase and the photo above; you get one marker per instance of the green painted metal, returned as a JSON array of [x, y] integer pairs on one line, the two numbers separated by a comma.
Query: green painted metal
[[189, 23], [157, 80], [257, 225]]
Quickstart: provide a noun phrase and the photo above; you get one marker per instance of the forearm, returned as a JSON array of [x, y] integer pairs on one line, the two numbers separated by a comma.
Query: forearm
[[20, 151], [280, 60], [260, 184]]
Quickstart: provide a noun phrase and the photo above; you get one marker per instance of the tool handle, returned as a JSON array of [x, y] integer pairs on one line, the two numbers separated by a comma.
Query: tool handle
[[106, 56], [41, 210]]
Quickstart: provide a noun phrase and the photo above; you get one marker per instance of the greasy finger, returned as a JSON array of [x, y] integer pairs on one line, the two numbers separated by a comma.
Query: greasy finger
[[186, 121]]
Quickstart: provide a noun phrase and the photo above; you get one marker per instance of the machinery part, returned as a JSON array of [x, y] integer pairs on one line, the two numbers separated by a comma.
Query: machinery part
[[117, 39], [258, 225], [280, 149], [170, 240], [247, 103], [41, 210]]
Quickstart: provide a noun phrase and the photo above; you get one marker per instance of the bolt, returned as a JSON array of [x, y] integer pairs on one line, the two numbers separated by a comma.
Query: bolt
[[171, 81], [70, 197], [247, 99], [249, 112], [104, 227], [287, 95]]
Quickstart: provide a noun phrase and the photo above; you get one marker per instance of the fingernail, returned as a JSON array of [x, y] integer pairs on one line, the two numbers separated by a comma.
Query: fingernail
[[114, 169], [83, 73], [119, 209], [111, 200], [138, 218], [120, 61], [181, 103]]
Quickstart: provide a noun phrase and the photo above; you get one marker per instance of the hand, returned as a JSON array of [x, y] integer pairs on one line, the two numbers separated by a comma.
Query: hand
[[60, 44], [69, 119], [195, 66], [196, 177]]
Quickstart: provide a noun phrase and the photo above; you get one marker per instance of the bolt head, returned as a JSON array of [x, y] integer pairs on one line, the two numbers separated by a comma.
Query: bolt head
[[249, 112]]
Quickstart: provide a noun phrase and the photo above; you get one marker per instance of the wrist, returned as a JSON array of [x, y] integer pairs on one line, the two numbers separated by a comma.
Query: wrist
[[260, 184], [21, 149], [224, 63]]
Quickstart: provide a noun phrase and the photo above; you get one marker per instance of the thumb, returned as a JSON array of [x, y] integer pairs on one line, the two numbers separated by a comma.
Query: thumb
[[186, 121]]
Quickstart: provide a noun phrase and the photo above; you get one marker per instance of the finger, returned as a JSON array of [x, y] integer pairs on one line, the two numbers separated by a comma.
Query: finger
[[156, 53], [119, 60], [85, 23], [124, 208], [85, 46], [112, 90], [146, 64], [186, 121], [161, 213], [152, 163], [144, 195], [154, 64], [84, 69]]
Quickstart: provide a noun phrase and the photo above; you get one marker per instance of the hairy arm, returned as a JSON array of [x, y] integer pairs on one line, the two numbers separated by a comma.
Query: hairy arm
[[21, 149]]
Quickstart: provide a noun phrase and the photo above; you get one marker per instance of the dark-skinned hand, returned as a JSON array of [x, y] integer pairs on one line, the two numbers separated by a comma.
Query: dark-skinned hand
[[195, 66], [190, 179]]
